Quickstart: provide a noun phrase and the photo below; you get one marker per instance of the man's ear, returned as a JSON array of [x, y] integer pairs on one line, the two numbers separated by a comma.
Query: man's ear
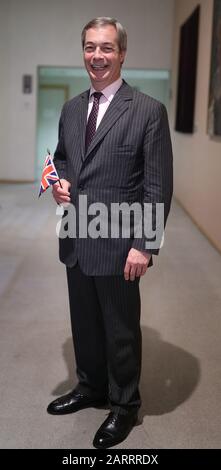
[[122, 57]]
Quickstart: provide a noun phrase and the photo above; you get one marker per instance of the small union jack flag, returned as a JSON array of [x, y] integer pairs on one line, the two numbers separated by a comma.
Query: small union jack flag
[[49, 175]]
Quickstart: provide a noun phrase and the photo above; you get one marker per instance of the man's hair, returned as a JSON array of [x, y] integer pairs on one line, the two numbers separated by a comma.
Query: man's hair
[[106, 21]]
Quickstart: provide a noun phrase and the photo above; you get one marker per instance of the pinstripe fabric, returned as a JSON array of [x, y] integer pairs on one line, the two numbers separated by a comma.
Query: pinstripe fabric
[[129, 160], [107, 336]]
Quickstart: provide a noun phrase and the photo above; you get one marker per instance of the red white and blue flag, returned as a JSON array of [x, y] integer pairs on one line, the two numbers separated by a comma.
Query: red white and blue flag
[[49, 175]]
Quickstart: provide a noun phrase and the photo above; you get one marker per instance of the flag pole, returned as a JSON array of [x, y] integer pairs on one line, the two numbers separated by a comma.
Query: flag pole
[[49, 153]]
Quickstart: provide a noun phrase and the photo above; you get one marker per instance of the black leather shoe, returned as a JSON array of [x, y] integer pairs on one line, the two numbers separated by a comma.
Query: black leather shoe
[[74, 401], [114, 429]]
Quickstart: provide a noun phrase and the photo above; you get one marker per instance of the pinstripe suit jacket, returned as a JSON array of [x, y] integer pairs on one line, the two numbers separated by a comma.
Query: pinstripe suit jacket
[[129, 160]]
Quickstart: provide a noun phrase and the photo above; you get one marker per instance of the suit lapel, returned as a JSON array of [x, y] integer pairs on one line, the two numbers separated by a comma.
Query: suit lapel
[[83, 120], [117, 107]]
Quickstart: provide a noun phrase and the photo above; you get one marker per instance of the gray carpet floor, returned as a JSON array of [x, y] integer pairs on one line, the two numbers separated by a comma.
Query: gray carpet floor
[[181, 325]]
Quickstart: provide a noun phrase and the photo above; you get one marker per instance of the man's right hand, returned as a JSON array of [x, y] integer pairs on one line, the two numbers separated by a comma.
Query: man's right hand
[[61, 195]]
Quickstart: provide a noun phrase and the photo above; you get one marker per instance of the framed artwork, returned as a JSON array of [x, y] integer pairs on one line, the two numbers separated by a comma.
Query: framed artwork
[[187, 70], [214, 107]]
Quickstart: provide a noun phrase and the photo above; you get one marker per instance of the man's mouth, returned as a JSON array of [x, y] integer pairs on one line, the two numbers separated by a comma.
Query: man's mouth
[[98, 67]]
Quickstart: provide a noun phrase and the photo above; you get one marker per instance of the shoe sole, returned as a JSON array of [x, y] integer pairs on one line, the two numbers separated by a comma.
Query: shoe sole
[[67, 412]]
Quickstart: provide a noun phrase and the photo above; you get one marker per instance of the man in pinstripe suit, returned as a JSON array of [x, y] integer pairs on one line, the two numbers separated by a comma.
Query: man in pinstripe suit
[[128, 159]]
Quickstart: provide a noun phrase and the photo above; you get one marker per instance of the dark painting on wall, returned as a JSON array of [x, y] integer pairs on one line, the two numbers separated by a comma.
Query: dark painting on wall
[[186, 85], [214, 108]]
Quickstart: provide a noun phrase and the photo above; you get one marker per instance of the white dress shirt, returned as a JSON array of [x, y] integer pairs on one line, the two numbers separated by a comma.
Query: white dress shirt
[[105, 99]]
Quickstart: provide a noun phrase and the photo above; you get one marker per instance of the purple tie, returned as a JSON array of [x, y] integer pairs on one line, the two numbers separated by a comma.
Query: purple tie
[[92, 120]]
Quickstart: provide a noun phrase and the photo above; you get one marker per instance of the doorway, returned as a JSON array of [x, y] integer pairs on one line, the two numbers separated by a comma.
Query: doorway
[[50, 101]]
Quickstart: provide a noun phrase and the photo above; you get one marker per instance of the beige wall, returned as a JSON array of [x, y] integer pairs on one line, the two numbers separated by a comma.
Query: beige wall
[[47, 32], [4, 75], [197, 157]]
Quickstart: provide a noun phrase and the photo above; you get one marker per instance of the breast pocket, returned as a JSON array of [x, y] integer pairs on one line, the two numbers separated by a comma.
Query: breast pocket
[[119, 165], [123, 150]]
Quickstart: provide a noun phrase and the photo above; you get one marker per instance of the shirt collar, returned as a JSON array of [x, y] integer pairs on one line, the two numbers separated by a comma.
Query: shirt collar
[[110, 90]]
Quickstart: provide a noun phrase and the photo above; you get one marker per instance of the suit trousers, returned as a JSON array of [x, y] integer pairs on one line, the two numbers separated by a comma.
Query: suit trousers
[[105, 319]]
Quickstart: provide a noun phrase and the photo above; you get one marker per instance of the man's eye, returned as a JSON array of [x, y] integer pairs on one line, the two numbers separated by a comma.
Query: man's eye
[[89, 49], [104, 49], [107, 49]]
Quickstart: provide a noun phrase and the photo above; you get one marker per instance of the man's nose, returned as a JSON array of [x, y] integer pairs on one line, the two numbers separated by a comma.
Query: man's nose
[[98, 53]]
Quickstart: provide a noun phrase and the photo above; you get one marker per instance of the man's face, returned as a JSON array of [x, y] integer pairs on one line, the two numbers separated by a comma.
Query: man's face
[[102, 57]]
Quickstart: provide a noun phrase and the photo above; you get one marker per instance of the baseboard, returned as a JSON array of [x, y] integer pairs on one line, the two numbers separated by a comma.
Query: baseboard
[[200, 228], [17, 181]]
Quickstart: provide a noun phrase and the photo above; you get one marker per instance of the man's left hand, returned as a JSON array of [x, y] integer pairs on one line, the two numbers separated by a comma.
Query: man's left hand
[[136, 264]]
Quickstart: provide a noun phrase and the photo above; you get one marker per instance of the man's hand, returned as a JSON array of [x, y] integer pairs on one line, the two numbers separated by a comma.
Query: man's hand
[[136, 264], [61, 195]]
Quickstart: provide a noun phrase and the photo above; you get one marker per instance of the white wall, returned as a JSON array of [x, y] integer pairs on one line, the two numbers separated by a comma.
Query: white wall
[[197, 157], [47, 32]]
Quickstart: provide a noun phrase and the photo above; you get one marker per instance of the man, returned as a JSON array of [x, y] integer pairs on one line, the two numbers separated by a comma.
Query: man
[[114, 147]]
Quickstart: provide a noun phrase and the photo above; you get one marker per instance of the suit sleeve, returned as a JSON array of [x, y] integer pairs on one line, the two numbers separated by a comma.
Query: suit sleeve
[[158, 170], [60, 153]]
